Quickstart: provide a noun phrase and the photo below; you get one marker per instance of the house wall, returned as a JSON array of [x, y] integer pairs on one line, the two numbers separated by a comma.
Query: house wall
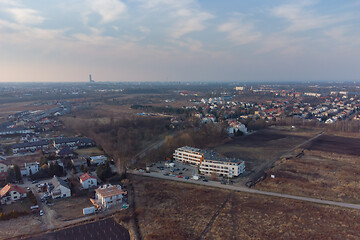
[[65, 192], [89, 183]]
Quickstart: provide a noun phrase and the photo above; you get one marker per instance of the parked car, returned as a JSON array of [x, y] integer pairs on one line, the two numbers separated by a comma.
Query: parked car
[[166, 174], [187, 178], [205, 180], [179, 176], [41, 212]]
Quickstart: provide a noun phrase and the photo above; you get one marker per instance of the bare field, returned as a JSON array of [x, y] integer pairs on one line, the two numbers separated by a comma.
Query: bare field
[[71, 208], [172, 210], [317, 174], [89, 151]]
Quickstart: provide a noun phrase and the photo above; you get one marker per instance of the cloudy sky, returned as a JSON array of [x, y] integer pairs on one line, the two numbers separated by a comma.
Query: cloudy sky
[[179, 40]]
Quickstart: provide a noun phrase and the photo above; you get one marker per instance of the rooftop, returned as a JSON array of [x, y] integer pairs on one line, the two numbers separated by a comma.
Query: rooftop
[[11, 187], [86, 176], [210, 155], [109, 191]]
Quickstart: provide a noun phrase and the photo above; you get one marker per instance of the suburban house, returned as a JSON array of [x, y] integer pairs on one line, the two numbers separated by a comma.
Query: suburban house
[[73, 143], [4, 165], [65, 152], [15, 130], [98, 159], [88, 181], [66, 142], [209, 162], [109, 195], [86, 142], [31, 168], [77, 162], [60, 188], [11, 193], [30, 146]]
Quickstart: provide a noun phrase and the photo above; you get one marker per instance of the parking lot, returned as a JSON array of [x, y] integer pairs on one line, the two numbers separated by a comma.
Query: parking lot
[[174, 169], [181, 170]]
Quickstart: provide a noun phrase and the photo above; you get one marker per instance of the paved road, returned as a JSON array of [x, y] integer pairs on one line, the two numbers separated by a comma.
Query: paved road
[[248, 190]]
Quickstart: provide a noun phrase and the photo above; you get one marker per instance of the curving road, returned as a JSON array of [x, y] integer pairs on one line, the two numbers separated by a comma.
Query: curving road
[[248, 190]]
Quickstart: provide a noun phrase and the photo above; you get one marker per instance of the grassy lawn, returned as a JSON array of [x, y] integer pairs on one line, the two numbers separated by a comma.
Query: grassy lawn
[[89, 151]]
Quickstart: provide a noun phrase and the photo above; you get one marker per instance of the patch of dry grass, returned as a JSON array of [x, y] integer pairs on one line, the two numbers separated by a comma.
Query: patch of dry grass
[[171, 210]]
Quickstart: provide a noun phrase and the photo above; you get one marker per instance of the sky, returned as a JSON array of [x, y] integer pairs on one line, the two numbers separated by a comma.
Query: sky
[[179, 40]]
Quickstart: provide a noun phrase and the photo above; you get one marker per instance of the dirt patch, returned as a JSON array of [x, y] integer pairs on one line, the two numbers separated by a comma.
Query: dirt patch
[[71, 208], [20, 226], [89, 151]]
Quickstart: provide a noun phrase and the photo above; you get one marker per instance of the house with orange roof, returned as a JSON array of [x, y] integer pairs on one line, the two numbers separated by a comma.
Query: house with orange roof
[[88, 181], [11, 193]]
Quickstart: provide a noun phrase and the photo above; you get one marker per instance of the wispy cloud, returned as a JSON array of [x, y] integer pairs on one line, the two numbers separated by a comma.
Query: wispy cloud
[[189, 21], [109, 10], [301, 18], [187, 15], [25, 16], [239, 32]]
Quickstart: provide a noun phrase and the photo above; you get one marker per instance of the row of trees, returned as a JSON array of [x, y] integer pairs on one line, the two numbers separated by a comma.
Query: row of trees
[[13, 174], [121, 139], [47, 171], [207, 135]]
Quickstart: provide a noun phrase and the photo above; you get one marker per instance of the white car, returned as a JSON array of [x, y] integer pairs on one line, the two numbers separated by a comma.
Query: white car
[[41, 212]]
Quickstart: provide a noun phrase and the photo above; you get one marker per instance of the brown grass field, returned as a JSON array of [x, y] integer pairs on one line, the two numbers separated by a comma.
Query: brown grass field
[[264, 145], [317, 174], [171, 210], [336, 144]]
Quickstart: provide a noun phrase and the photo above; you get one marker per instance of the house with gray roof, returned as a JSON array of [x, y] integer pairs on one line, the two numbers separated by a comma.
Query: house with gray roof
[[59, 188]]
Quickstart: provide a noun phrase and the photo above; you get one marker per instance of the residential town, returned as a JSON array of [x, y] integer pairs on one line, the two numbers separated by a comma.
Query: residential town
[[76, 159]]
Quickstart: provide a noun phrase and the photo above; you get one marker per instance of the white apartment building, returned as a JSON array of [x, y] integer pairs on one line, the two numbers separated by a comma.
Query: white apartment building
[[210, 162]]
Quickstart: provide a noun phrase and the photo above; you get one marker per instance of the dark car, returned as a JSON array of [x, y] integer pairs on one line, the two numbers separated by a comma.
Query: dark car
[[205, 180], [187, 178]]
